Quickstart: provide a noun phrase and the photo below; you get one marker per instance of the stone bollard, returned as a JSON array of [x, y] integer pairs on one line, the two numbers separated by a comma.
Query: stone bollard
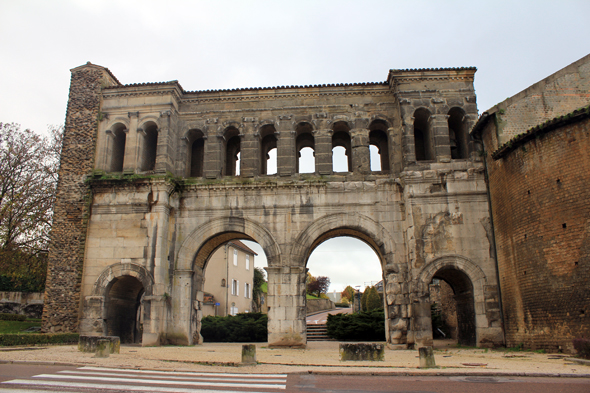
[[426, 357], [362, 351], [103, 348], [249, 354], [89, 343]]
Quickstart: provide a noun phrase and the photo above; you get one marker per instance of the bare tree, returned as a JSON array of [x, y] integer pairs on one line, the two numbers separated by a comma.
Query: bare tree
[[28, 177], [29, 165]]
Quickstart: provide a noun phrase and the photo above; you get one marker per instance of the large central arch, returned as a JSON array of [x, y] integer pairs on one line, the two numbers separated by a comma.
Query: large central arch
[[192, 258]]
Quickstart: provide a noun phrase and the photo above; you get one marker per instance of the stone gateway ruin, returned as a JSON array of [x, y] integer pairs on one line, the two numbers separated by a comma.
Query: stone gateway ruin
[[154, 178]]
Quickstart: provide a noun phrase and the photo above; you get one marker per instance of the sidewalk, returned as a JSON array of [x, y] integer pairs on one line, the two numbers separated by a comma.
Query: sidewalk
[[319, 357]]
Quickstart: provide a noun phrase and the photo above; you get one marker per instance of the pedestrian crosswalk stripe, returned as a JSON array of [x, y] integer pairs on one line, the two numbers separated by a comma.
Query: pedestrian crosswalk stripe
[[131, 370], [179, 377], [133, 388], [161, 381]]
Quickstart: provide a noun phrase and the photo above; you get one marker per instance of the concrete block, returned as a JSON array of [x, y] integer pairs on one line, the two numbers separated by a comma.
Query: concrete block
[[362, 351]]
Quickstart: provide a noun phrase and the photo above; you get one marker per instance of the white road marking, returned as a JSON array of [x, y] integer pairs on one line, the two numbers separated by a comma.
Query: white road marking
[[133, 388], [161, 381], [183, 373], [185, 378]]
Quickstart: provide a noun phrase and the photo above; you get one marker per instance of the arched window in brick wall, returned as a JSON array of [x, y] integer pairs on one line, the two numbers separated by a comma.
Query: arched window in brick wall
[[458, 134], [423, 138], [148, 146], [196, 153], [341, 148], [305, 148], [232, 152], [268, 150], [378, 141], [116, 148]]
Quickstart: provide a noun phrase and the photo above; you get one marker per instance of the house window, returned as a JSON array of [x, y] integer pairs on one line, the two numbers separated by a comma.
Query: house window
[[233, 310], [235, 257], [247, 262], [247, 291], [235, 287]]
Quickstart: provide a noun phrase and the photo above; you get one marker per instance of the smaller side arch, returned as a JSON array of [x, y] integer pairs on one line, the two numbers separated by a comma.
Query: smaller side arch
[[123, 269], [474, 272], [148, 119]]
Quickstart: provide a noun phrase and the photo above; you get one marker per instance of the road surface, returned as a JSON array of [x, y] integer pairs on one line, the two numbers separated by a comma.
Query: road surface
[[322, 317]]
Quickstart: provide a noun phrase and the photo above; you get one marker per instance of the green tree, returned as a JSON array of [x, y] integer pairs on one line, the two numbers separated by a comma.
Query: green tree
[[373, 299], [259, 279], [364, 299]]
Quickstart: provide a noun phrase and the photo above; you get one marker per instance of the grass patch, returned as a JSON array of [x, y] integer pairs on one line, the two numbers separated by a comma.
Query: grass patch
[[11, 327]]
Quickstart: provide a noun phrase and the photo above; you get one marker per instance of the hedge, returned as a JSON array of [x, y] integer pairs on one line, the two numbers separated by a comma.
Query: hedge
[[38, 338], [12, 317], [363, 326], [247, 327]]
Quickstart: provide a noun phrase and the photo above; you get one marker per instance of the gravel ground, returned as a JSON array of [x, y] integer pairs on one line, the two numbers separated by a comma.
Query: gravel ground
[[319, 357]]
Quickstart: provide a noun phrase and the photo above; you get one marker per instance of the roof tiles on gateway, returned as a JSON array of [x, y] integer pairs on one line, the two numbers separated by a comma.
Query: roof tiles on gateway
[[434, 69]]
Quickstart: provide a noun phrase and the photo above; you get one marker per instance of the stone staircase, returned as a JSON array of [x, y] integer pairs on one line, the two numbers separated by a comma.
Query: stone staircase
[[317, 332]]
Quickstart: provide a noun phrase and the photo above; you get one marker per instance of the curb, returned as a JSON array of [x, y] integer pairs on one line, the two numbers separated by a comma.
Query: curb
[[423, 373]]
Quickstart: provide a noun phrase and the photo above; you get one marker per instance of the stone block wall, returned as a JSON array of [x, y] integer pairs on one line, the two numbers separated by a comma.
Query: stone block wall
[[541, 210], [561, 93]]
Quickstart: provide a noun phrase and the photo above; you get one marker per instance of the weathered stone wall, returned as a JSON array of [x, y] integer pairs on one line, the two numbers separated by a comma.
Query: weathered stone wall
[[424, 219], [541, 209], [561, 93], [24, 303], [68, 235], [315, 305]]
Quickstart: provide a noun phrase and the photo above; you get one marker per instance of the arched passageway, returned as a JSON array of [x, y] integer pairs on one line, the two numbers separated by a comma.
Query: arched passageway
[[463, 300], [124, 310]]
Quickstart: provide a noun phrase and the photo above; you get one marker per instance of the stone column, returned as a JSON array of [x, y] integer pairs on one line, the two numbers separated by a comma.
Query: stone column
[[286, 154], [164, 152], [286, 304], [132, 145], [179, 327], [361, 160], [323, 152], [213, 159], [398, 311], [440, 135], [250, 149]]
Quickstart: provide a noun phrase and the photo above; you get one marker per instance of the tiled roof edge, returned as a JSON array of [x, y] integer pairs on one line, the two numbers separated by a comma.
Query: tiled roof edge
[[549, 125], [434, 69]]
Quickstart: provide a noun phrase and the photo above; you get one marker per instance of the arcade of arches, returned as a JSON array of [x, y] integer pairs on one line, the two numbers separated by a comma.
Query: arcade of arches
[[148, 237]]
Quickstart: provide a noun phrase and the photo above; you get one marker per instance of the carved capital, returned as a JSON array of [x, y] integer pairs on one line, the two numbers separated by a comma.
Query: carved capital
[[132, 114]]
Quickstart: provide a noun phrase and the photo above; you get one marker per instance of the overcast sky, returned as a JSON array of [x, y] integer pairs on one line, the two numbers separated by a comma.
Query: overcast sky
[[233, 44]]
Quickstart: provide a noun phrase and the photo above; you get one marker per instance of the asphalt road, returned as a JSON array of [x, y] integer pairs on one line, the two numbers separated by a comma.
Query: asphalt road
[[33, 378], [322, 317]]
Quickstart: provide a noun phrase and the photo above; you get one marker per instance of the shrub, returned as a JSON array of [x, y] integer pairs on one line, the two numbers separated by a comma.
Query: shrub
[[247, 327], [363, 326], [36, 339], [582, 346], [12, 317]]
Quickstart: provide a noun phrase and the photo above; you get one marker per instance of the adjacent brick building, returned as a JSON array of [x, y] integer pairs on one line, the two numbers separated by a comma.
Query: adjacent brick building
[[539, 186]]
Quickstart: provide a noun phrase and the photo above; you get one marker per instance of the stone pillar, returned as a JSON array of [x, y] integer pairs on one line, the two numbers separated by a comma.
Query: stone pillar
[[213, 159], [179, 327], [323, 152], [157, 257], [398, 309], [132, 145], [361, 159], [286, 154], [440, 134], [286, 307], [249, 149], [422, 323], [164, 152], [71, 209]]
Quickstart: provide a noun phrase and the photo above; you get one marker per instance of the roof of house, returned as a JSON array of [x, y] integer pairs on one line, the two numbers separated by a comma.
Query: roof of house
[[242, 246]]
